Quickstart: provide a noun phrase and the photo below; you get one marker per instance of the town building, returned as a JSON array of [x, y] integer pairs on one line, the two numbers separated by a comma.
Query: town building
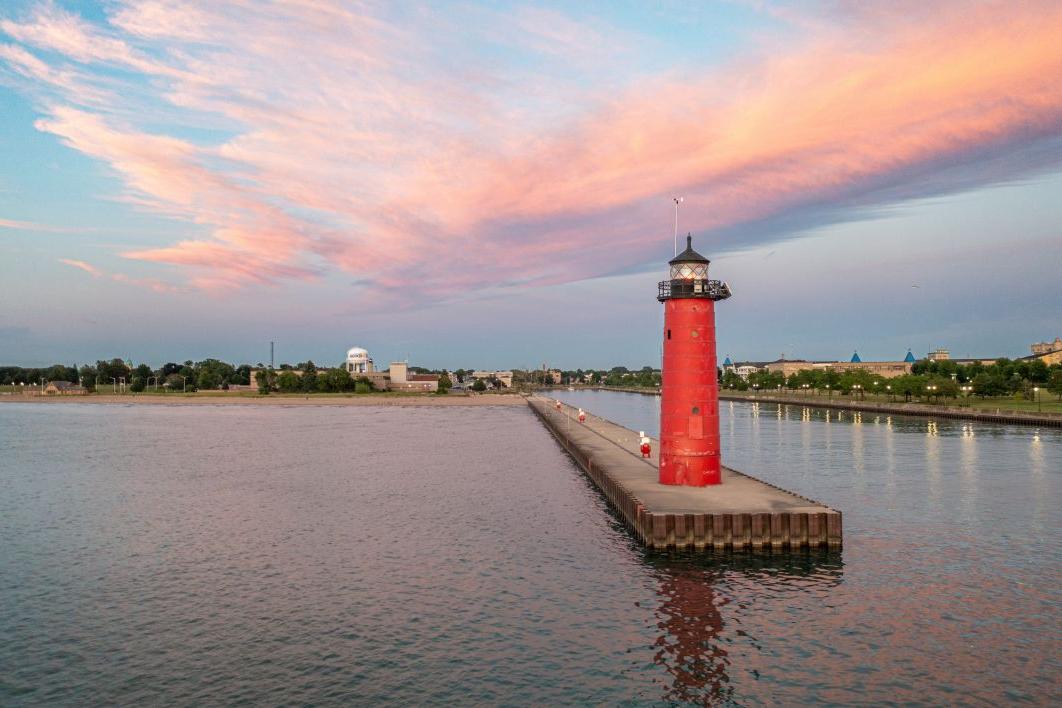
[[396, 377], [1047, 352], [742, 368], [399, 379], [505, 377], [788, 367], [885, 369], [1047, 347], [745, 370], [64, 388]]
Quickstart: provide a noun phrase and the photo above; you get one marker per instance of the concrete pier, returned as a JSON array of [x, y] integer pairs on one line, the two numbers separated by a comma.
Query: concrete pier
[[743, 513]]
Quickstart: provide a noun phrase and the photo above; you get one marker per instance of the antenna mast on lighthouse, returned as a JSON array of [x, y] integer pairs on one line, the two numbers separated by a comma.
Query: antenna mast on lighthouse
[[677, 200]]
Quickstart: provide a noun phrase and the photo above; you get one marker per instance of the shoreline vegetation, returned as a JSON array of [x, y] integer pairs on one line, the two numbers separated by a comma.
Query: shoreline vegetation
[[279, 399]]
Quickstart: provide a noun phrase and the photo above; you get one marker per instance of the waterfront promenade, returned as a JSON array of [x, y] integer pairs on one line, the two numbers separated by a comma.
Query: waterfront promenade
[[743, 513], [1043, 420]]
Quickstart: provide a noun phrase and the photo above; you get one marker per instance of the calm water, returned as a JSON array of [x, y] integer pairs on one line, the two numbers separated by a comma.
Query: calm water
[[269, 555]]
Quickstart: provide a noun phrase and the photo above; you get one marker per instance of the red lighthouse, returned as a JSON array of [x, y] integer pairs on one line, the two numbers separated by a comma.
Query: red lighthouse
[[689, 392]]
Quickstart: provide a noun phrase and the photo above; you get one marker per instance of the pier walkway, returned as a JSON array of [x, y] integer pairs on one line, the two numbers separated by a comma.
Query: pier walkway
[[741, 513]]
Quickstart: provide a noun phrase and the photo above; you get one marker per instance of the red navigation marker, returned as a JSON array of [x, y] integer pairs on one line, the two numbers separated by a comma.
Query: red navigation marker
[[689, 390]]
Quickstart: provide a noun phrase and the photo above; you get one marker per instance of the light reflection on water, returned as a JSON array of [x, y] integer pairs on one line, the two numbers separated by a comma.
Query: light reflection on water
[[329, 556]]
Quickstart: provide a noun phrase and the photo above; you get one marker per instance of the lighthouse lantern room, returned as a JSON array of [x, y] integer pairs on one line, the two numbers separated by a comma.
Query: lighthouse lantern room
[[689, 390]]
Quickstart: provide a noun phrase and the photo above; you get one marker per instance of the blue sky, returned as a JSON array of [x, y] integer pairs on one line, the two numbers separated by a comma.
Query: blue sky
[[490, 186]]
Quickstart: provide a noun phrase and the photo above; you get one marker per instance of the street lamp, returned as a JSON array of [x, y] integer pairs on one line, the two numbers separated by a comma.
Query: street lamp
[[829, 394], [932, 391], [859, 390], [1036, 393], [888, 387]]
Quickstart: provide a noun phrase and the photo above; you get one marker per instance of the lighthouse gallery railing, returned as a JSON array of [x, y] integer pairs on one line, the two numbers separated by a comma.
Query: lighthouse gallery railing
[[707, 289]]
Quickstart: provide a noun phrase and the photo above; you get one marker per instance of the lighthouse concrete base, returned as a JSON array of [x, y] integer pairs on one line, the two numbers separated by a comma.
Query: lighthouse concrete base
[[743, 513]]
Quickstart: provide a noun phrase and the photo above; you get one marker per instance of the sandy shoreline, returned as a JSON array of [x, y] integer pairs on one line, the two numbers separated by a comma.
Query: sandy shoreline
[[277, 400]]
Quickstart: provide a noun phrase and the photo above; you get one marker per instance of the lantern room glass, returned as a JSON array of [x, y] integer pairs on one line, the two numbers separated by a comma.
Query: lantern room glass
[[689, 271]]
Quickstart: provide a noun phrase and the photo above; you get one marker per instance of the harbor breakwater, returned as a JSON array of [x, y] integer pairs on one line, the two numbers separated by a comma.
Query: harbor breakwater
[[743, 513]]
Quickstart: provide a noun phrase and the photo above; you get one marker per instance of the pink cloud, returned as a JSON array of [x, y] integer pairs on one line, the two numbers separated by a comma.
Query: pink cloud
[[33, 226], [149, 283], [392, 152], [56, 30], [255, 242], [82, 265]]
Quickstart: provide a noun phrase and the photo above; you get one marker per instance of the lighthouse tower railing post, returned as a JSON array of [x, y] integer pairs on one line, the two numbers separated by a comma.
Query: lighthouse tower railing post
[[689, 390]]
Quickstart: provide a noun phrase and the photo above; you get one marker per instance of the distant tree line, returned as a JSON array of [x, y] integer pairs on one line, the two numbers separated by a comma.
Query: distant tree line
[[928, 379], [310, 380], [208, 374], [103, 375], [645, 377], [28, 376]]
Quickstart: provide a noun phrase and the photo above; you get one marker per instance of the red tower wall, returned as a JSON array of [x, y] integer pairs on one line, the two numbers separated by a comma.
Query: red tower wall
[[689, 395]]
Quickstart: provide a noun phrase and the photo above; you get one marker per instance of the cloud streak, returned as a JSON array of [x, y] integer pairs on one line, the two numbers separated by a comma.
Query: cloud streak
[[149, 283], [422, 155], [82, 265], [17, 225]]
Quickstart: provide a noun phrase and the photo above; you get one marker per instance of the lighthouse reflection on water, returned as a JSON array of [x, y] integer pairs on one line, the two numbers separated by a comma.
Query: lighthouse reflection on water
[[705, 602]]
